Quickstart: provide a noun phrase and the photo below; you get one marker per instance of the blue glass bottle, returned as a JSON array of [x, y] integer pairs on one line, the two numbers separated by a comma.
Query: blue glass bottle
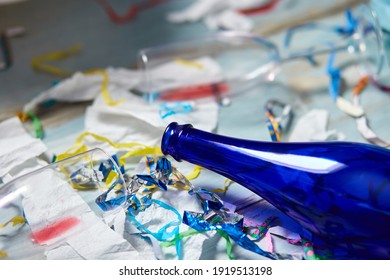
[[339, 191]]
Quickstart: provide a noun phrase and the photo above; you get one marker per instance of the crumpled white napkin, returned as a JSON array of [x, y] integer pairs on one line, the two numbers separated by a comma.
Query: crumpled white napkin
[[229, 19], [180, 73], [173, 74], [218, 14], [85, 87], [312, 126], [156, 217], [89, 238], [135, 120], [16, 145]]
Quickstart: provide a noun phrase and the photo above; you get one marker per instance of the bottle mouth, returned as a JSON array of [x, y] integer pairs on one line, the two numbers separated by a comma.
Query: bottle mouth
[[170, 144]]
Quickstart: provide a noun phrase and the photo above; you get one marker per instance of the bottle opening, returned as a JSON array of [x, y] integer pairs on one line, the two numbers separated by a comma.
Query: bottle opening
[[170, 144]]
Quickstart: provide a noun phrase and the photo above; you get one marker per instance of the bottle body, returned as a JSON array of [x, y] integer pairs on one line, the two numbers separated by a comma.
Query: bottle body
[[339, 191]]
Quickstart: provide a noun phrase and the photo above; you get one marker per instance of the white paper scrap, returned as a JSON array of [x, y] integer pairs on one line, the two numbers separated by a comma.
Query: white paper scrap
[[16, 145], [218, 13], [85, 87], [63, 252], [90, 237], [116, 219], [347, 107], [229, 20], [313, 127], [135, 120]]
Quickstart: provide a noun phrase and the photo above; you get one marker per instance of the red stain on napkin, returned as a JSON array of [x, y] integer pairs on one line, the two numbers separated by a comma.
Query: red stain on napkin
[[55, 229]]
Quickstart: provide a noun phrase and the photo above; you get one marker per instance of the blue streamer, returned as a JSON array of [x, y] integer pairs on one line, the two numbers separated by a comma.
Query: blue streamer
[[351, 25], [162, 234], [110, 204], [335, 77], [233, 230], [169, 109], [241, 239]]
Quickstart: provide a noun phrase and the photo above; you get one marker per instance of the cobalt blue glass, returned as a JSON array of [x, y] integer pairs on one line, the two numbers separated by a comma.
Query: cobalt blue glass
[[338, 191]]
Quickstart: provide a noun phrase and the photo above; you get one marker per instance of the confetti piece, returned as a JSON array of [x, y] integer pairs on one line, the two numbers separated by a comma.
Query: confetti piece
[[257, 231], [17, 220], [349, 108], [362, 122], [273, 128], [274, 124], [361, 85], [35, 120], [309, 250], [3, 254], [189, 63], [268, 242]]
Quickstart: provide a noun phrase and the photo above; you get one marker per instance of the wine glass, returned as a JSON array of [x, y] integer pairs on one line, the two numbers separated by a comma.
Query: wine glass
[[228, 63], [45, 208]]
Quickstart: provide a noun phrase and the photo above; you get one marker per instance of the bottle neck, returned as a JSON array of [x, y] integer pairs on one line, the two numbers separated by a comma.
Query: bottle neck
[[183, 142], [171, 142], [222, 154]]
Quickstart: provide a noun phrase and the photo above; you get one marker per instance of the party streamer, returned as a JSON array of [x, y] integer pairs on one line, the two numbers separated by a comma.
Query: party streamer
[[39, 62], [136, 149], [17, 220]]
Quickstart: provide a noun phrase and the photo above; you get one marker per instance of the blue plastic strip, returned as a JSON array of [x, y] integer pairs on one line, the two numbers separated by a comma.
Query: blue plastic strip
[[335, 77], [162, 234], [168, 109], [232, 230]]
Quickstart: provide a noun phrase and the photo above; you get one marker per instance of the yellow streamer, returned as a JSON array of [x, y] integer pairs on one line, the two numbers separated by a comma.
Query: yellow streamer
[[195, 173], [189, 63], [111, 178], [146, 150], [226, 185], [275, 125], [39, 62], [3, 254], [15, 221], [72, 152], [138, 149], [181, 187], [104, 87]]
